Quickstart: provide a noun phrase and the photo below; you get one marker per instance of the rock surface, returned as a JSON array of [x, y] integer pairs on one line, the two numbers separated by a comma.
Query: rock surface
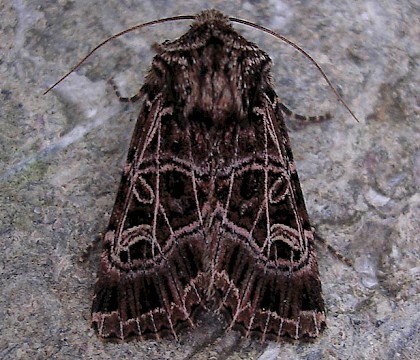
[[61, 157]]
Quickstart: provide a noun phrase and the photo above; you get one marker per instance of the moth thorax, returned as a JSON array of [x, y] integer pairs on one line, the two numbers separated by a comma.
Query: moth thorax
[[216, 89]]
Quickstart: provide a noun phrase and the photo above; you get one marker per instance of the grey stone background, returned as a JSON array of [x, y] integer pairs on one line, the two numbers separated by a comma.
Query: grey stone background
[[61, 157]]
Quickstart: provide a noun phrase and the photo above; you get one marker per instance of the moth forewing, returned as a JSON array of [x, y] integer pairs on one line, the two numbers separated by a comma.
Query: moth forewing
[[211, 214]]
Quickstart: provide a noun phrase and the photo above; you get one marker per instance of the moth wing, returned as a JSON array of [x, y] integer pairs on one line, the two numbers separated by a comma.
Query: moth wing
[[149, 278], [266, 274]]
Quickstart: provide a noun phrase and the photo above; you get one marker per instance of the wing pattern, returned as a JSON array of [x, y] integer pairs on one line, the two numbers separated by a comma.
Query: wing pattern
[[209, 214]]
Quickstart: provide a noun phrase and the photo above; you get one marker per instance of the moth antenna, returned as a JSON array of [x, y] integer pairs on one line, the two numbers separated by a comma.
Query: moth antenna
[[154, 22], [302, 51], [193, 17]]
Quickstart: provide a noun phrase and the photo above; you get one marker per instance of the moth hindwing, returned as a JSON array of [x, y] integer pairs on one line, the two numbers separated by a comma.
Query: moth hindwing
[[209, 213]]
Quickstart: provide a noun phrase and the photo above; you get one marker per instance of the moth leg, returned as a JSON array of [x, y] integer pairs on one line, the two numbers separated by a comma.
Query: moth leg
[[303, 118], [90, 248], [332, 250], [131, 99], [158, 48]]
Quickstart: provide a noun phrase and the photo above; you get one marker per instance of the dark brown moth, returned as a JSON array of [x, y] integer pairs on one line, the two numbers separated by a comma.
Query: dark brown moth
[[209, 214]]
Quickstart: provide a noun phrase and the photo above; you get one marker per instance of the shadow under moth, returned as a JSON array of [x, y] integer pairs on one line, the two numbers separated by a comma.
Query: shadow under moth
[[209, 213]]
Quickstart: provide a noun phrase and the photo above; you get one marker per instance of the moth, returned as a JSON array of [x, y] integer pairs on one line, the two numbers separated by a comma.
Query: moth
[[209, 214]]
